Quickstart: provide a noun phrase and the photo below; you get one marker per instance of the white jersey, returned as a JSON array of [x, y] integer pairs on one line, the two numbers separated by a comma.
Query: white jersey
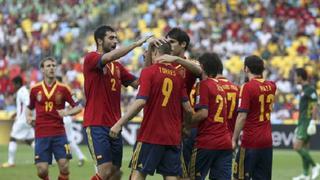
[[22, 101], [21, 130]]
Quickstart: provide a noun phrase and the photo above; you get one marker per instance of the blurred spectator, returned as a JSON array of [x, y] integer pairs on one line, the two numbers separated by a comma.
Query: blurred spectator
[[285, 33]]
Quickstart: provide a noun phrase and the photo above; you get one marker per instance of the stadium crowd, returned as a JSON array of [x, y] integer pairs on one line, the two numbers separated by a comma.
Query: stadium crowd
[[285, 33]]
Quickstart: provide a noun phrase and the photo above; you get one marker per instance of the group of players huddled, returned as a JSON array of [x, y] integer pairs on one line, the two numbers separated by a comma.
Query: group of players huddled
[[189, 130]]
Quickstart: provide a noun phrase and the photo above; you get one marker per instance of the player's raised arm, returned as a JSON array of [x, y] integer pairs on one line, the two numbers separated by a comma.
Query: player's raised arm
[[122, 51], [188, 64]]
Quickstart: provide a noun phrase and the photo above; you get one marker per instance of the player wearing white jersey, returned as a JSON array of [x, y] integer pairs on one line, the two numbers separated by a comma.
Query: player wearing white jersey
[[67, 120], [21, 130]]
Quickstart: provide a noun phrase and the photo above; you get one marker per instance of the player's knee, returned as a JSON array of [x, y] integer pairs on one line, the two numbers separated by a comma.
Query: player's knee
[[107, 173], [13, 139], [42, 173], [64, 167], [296, 146]]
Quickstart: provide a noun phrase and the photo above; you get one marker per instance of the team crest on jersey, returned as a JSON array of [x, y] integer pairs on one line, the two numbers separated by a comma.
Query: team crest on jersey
[[58, 98], [39, 96]]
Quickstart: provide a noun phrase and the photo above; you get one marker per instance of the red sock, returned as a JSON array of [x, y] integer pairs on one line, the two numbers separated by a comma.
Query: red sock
[[96, 177], [45, 178], [63, 176]]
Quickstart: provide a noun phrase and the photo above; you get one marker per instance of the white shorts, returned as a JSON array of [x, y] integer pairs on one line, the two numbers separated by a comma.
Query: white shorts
[[22, 131]]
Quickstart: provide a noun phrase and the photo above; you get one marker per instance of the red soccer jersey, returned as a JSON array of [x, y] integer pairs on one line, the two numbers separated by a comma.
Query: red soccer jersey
[[188, 76], [102, 88], [232, 93], [256, 98], [163, 88], [213, 132], [47, 100]]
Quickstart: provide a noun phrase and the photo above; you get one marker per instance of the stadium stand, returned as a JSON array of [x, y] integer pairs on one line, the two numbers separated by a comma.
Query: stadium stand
[[285, 33]]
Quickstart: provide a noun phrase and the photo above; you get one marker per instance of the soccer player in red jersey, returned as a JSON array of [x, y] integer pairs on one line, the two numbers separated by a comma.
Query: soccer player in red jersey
[[254, 158], [213, 149], [48, 98], [161, 93], [232, 94], [103, 77], [190, 71]]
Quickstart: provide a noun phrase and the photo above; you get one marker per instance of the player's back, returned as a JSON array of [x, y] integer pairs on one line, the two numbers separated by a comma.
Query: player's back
[[256, 98], [232, 95], [213, 132], [162, 113]]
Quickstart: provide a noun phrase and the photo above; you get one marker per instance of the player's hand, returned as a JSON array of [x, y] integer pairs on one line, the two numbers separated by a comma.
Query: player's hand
[[186, 132], [115, 130], [157, 41], [166, 59], [62, 112], [312, 128], [234, 144], [143, 40], [30, 121]]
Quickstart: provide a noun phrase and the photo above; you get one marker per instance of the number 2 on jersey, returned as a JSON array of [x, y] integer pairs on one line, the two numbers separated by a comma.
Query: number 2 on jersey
[[167, 86], [269, 100], [217, 116]]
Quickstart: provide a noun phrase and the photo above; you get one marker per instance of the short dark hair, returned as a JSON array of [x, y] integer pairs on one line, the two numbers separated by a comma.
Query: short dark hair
[[301, 72], [179, 35], [100, 32], [255, 64], [46, 59], [17, 80], [164, 48], [220, 66], [210, 63]]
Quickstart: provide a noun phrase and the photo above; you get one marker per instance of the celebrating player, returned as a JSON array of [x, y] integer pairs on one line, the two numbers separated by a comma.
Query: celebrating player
[[189, 70], [103, 77], [254, 158], [21, 130], [306, 125], [213, 148], [161, 93], [48, 99]]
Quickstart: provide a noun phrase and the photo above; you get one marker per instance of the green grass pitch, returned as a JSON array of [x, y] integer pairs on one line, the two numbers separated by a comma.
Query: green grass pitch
[[286, 164]]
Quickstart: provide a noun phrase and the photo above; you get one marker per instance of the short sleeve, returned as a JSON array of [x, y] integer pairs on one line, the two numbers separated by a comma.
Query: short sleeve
[[244, 99], [92, 61], [204, 96], [184, 95], [32, 99], [126, 77], [68, 97], [145, 84]]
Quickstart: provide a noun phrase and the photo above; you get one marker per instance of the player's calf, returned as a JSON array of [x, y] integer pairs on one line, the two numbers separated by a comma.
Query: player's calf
[[64, 169]]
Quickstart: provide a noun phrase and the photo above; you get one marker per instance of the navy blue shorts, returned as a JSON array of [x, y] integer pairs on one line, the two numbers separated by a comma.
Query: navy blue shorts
[[53, 145], [102, 147], [187, 146], [253, 164], [218, 162], [164, 159]]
